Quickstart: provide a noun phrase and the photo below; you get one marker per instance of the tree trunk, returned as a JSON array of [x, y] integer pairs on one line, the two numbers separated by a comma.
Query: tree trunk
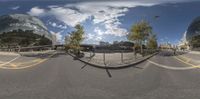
[[141, 49], [135, 52]]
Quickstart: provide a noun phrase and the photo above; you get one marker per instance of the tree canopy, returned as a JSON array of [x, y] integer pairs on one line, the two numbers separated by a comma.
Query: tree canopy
[[140, 33], [76, 37], [152, 42]]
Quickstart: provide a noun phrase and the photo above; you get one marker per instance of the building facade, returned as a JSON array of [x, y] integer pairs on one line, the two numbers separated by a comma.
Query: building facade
[[193, 35], [23, 30]]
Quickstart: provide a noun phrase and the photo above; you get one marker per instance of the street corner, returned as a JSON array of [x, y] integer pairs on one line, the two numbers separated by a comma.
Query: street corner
[[22, 62]]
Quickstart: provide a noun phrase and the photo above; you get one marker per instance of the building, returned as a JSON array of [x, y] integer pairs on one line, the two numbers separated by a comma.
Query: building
[[101, 43], [165, 46], [193, 35], [23, 30], [115, 47]]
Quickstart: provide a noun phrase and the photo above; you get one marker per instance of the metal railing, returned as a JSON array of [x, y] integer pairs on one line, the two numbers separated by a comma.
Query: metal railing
[[104, 57]]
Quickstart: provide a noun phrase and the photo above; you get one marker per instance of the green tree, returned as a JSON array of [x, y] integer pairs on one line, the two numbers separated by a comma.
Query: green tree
[[139, 33], [152, 42], [76, 37], [67, 42]]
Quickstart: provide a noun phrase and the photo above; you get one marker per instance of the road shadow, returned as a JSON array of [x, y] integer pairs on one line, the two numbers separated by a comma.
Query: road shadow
[[83, 66], [171, 53], [59, 54], [138, 67], [85, 63], [109, 74]]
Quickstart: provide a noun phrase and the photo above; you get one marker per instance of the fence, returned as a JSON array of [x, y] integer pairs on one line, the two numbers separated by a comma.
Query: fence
[[115, 57]]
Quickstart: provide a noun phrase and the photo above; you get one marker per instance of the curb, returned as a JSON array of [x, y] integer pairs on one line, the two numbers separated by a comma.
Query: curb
[[9, 53], [36, 53], [118, 67]]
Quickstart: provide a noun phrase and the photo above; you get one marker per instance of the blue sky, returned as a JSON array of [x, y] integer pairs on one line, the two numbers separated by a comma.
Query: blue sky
[[109, 20]]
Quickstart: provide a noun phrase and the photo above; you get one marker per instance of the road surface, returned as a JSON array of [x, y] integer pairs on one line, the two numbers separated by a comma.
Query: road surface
[[62, 77]]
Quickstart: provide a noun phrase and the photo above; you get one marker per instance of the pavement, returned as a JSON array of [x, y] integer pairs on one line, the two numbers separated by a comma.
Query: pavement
[[61, 77], [9, 53], [190, 57], [111, 59], [23, 60], [195, 52]]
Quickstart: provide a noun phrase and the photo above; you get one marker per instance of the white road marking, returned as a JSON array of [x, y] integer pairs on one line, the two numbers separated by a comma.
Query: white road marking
[[170, 67], [23, 67], [9, 61]]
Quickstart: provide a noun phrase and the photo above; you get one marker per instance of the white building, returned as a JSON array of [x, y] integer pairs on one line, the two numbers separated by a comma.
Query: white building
[[183, 44]]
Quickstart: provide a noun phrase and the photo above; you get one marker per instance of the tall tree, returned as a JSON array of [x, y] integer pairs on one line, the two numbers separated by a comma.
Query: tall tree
[[139, 33], [152, 42], [76, 37]]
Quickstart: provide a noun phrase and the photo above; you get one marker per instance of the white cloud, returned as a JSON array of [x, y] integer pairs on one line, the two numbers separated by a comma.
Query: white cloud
[[67, 15], [93, 39], [55, 25], [107, 14], [104, 13], [15, 8], [36, 11], [98, 31], [58, 35]]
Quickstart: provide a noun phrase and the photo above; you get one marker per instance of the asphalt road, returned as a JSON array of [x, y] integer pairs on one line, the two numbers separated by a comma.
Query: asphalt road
[[62, 77]]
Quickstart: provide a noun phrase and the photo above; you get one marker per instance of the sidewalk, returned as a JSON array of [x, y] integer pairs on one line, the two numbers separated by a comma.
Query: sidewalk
[[9, 53], [111, 59], [195, 52], [112, 65]]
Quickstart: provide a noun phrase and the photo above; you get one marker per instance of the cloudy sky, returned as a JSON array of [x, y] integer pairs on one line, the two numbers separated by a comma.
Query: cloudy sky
[[109, 20]]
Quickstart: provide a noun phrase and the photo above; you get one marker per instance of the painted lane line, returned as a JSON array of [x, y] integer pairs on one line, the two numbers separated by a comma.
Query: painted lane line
[[198, 66], [9, 61], [170, 67], [185, 62], [22, 63], [187, 59], [39, 62]]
